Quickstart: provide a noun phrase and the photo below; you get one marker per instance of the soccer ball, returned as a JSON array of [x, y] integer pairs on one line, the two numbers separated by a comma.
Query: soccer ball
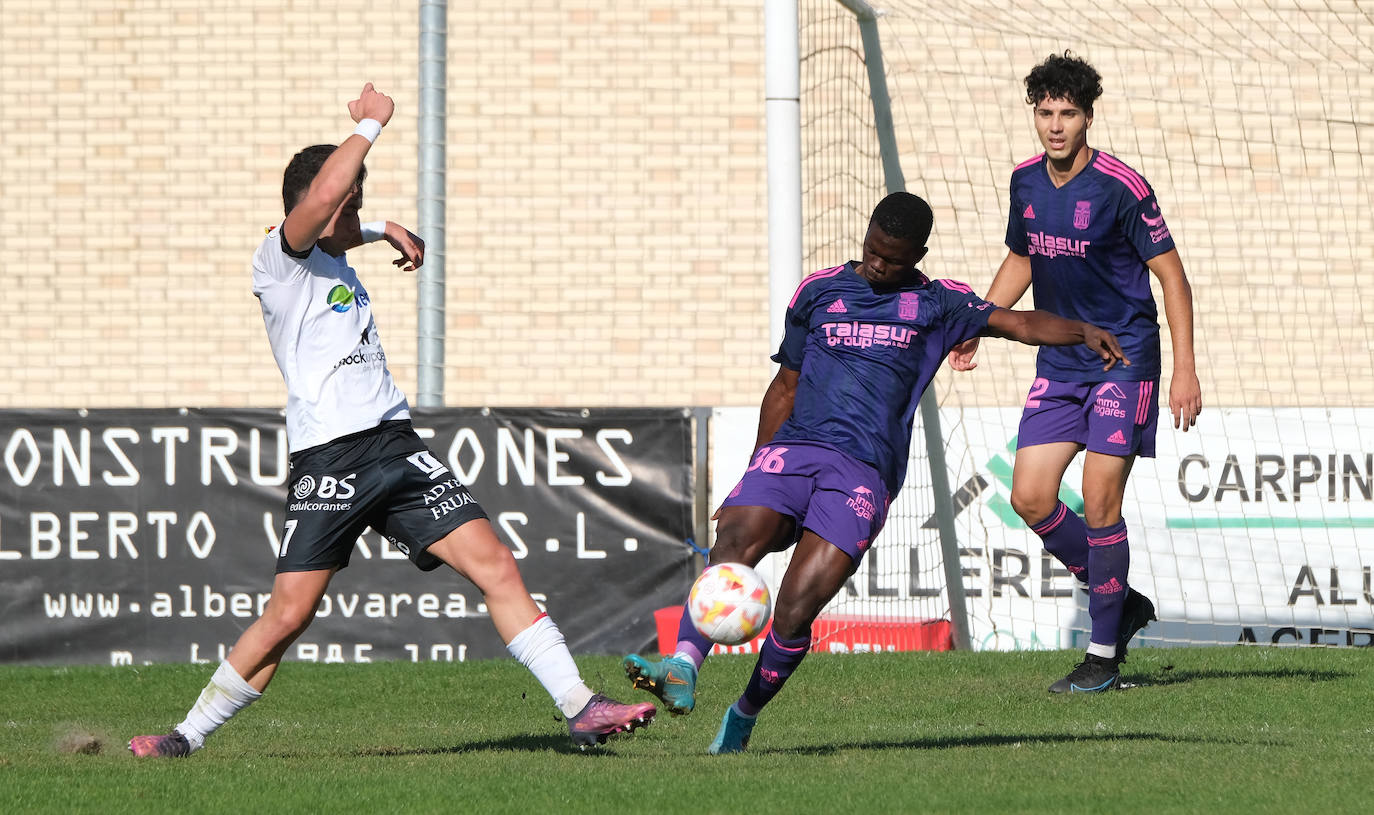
[[729, 603]]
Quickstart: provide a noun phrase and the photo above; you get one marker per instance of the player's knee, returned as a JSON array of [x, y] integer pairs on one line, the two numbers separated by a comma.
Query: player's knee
[[287, 620], [495, 572], [1031, 506]]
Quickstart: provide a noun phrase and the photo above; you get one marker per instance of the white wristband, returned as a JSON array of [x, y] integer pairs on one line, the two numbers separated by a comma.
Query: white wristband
[[373, 231], [369, 129]]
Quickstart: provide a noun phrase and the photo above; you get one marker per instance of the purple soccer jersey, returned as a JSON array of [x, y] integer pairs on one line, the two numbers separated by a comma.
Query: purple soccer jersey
[[865, 356], [1088, 242]]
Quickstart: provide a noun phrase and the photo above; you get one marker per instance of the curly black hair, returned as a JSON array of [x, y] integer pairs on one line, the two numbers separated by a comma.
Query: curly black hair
[[906, 216], [1064, 77], [302, 170]]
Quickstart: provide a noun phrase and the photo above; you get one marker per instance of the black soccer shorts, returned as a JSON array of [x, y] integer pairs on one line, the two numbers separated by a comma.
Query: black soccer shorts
[[385, 478]]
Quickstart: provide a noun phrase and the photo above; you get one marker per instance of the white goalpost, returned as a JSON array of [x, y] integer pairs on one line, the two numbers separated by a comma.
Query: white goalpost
[[1256, 526]]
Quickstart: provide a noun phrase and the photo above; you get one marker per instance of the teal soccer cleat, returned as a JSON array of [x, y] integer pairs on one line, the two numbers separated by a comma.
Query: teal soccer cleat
[[673, 681], [733, 735]]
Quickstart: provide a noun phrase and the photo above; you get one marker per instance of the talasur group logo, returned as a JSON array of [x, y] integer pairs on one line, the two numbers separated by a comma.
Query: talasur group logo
[[340, 298]]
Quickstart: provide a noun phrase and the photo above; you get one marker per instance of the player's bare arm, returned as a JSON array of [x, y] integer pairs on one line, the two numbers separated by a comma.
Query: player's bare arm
[[410, 245], [1185, 392], [777, 404], [336, 181], [1044, 328], [776, 407], [1008, 287]]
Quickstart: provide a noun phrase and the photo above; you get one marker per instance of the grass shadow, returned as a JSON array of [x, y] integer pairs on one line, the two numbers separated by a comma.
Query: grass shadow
[[993, 740], [1168, 676], [526, 742]]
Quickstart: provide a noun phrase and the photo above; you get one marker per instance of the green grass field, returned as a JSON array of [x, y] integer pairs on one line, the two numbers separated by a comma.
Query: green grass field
[[1202, 730]]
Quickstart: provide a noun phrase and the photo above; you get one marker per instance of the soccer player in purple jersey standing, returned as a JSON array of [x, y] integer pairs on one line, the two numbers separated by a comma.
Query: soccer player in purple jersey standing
[[862, 342], [357, 462], [1084, 232]]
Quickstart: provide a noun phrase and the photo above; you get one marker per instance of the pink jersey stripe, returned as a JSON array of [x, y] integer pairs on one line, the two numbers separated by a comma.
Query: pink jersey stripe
[[1107, 541], [1139, 195], [1028, 162], [1117, 164], [1142, 410], [954, 285], [1124, 174], [821, 275], [1054, 521]]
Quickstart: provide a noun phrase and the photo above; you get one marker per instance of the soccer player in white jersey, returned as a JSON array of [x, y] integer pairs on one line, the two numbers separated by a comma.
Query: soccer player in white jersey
[[356, 461], [1085, 233]]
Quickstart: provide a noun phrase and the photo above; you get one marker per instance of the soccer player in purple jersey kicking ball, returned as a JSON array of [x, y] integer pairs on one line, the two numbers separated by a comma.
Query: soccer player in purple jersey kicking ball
[[862, 342], [1084, 232], [355, 459]]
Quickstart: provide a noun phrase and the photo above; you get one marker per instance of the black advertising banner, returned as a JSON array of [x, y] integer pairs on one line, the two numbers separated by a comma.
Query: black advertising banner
[[140, 536]]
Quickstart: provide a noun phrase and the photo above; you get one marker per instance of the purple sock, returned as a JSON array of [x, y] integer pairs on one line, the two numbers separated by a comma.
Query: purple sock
[[1109, 559], [1066, 537], [690, 641], [777, 660]]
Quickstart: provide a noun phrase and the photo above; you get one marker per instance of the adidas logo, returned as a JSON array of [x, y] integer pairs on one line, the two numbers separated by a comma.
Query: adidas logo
[[837, 307], [1029, 213], [1117, 438], [1110, 587]]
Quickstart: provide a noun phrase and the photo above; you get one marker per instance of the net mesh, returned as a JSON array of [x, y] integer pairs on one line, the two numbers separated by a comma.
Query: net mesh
[[1254, 123]]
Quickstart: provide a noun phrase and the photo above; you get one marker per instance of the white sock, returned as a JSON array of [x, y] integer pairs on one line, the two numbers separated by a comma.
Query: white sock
[[1100, 650], [541, 649], [227, 694]]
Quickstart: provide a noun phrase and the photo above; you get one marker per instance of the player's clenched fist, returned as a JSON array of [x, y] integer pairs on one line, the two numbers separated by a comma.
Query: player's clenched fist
[[371, 104]]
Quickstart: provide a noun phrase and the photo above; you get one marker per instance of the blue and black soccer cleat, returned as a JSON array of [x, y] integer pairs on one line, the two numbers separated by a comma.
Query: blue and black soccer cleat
[[1092, 675], [1136, 612], [673, 680]]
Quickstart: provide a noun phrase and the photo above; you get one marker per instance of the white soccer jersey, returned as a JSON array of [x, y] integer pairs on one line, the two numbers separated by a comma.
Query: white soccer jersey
[[319, 322]]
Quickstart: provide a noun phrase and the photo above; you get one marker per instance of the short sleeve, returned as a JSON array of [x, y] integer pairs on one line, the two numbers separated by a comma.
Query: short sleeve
[[798, 322], [798, 325], [1143, 224], [1016, 226], [964, 314], [274, 262]]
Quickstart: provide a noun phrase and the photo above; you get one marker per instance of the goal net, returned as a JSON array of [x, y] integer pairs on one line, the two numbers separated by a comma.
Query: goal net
[[1255, 126]]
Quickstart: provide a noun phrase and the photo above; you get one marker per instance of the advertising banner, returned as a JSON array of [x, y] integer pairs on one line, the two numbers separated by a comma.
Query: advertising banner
[[1257, 525], [139, 536]]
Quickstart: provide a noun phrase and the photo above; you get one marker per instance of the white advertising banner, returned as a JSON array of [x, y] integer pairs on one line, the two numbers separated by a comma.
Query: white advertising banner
[[1255, 526]]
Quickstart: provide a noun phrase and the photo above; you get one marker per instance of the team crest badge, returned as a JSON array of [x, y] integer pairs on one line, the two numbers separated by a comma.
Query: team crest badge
[[907, 305], [1081, 214]]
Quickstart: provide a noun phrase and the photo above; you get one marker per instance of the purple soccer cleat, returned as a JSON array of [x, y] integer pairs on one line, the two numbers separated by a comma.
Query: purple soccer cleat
[[172, 745], [603, 717]]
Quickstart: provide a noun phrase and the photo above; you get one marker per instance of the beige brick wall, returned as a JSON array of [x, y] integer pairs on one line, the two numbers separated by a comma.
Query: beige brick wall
[[606, 220], [606, 232]]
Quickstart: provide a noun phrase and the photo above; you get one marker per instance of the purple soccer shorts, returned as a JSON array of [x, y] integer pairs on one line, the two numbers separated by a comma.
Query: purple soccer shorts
[[1115, 418], [838, 497]]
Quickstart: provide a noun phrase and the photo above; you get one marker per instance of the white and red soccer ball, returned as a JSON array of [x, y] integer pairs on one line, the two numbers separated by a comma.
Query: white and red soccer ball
[[730, 604]]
